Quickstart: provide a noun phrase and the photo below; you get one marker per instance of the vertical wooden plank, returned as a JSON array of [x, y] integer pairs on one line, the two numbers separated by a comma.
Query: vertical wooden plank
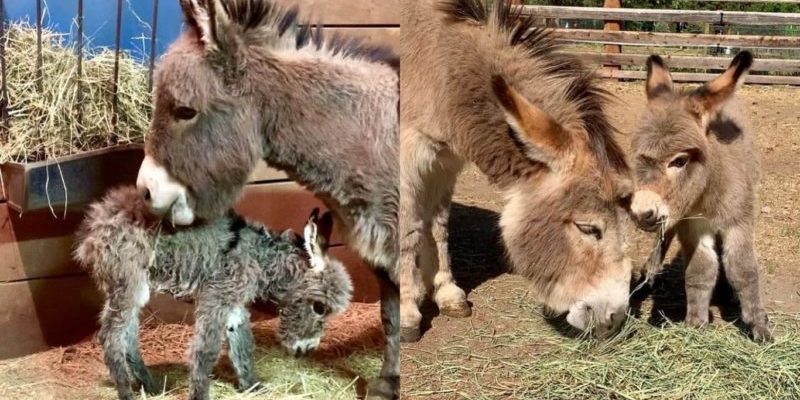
[[612, 26]]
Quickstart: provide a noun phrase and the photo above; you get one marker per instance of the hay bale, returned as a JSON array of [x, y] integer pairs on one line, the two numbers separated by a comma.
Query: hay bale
[[44, 119]]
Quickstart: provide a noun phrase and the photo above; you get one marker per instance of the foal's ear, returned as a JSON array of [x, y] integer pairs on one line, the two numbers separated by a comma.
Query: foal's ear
[[659, 80], [543, 138], [213, 24], [708, 98]]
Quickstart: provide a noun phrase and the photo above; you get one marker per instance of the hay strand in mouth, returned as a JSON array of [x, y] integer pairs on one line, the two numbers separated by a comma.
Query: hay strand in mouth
[[44, 119]]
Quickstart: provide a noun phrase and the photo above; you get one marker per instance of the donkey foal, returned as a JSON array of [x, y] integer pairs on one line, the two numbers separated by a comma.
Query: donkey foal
[[697, 171], [223, 266]]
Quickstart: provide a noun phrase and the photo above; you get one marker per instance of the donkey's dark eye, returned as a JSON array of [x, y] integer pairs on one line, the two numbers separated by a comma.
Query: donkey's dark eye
[[185, 113], [319, 308], [679, 162], [590, 230]]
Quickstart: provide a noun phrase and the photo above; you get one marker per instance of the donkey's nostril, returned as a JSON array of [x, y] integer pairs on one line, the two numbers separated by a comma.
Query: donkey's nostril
[[648, 216], [146, 195]]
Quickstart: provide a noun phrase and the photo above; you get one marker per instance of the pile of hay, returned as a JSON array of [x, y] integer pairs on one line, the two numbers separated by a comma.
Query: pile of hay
[[534, 360], [44, 118]]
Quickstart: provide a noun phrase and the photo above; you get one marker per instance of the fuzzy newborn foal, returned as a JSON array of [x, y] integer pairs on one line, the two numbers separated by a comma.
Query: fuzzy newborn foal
[[223, 266]]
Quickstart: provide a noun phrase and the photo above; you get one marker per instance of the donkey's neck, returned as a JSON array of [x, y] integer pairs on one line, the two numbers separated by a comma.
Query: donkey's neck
[[331, 123]]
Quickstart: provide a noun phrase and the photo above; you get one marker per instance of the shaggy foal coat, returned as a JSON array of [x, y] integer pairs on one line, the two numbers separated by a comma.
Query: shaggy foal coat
[[697, 174], [223, 266]]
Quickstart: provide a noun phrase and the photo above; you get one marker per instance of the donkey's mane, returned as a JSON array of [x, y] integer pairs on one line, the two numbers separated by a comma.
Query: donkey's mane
[[538, 43], [260, 14]]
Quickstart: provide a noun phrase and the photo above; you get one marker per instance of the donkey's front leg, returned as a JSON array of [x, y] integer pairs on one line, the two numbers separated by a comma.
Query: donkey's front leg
[[451, 299], [741, 269], [701, 274], [387, 385], [210, 318], [134, 357], [241, 346], [416, 156], [114, 321]]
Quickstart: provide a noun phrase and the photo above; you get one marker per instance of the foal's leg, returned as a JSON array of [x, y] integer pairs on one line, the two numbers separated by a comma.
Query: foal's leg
[[741, 269], [114, 320], [417, 155], [241, 346], [450, 298], [210, 317], [702, 269], [387, 386], [134, 356], [118, 321]]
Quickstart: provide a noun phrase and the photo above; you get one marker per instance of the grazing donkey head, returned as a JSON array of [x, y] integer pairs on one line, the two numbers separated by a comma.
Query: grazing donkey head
[[563, 225], [671, 148], [324, 291], [242, 69]]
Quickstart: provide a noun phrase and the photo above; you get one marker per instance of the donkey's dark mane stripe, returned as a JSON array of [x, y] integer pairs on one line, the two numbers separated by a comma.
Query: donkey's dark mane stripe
[[539, 44], [254, 14]]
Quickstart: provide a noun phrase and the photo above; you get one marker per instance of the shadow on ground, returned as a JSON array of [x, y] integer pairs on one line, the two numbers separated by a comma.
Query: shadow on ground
[[476, 252], [668, 298]]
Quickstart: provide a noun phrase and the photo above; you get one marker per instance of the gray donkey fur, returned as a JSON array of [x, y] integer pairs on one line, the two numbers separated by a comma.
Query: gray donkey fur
[[223, 266], [245, 81], [697, 174]]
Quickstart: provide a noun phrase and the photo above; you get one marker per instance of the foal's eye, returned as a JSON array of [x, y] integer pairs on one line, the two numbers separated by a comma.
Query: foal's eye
[[185, 113], [319, 308], [590, 230], [679, 161]]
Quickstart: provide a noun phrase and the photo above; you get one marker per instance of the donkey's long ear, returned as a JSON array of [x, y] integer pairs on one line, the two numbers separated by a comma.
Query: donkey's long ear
[[540, 135], [313, 243], [211, 21], [659, 80], [709, 97]]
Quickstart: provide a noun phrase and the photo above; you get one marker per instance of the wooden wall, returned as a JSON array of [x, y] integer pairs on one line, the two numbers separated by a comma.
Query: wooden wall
[[47, 300]]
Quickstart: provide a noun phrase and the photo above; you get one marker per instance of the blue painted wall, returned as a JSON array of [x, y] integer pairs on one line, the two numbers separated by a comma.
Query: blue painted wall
[[100, 18]]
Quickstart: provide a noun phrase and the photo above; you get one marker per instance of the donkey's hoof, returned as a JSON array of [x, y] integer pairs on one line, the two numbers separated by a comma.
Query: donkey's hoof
[[696, 322], [456, 310], [409, 334], [761, 334], [383, 388]]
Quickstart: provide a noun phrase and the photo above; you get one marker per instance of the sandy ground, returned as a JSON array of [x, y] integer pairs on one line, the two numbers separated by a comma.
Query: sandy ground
[[496, 296]]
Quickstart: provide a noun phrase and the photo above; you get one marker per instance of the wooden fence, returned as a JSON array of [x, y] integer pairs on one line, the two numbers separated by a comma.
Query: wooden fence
[[47, 300], [779, 69]]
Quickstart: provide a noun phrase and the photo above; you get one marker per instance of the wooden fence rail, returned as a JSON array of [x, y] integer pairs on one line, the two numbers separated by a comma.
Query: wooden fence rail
[[701, 77], [677, 39], [761, 64], [636, 14]]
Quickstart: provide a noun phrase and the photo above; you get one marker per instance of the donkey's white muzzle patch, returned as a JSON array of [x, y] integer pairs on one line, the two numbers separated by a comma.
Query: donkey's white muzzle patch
[[164, 194], [602, 310]]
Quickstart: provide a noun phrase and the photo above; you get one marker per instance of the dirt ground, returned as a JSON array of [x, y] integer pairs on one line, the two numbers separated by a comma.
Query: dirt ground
[[476, 366]]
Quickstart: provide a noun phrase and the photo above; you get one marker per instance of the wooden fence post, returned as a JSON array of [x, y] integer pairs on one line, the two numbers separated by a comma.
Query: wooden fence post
[[612, 26]]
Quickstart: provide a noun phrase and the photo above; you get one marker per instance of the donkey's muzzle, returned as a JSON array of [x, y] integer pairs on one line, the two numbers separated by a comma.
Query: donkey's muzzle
[[648, 221], [164, 196]]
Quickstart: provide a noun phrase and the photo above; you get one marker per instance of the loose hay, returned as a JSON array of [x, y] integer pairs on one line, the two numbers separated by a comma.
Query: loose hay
[[44, 119], [531, 359], [349, 353]]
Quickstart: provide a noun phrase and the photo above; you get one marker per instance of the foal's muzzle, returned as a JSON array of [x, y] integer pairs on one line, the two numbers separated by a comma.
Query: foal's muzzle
[[165, 196], [302, 347], [649, 211]]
